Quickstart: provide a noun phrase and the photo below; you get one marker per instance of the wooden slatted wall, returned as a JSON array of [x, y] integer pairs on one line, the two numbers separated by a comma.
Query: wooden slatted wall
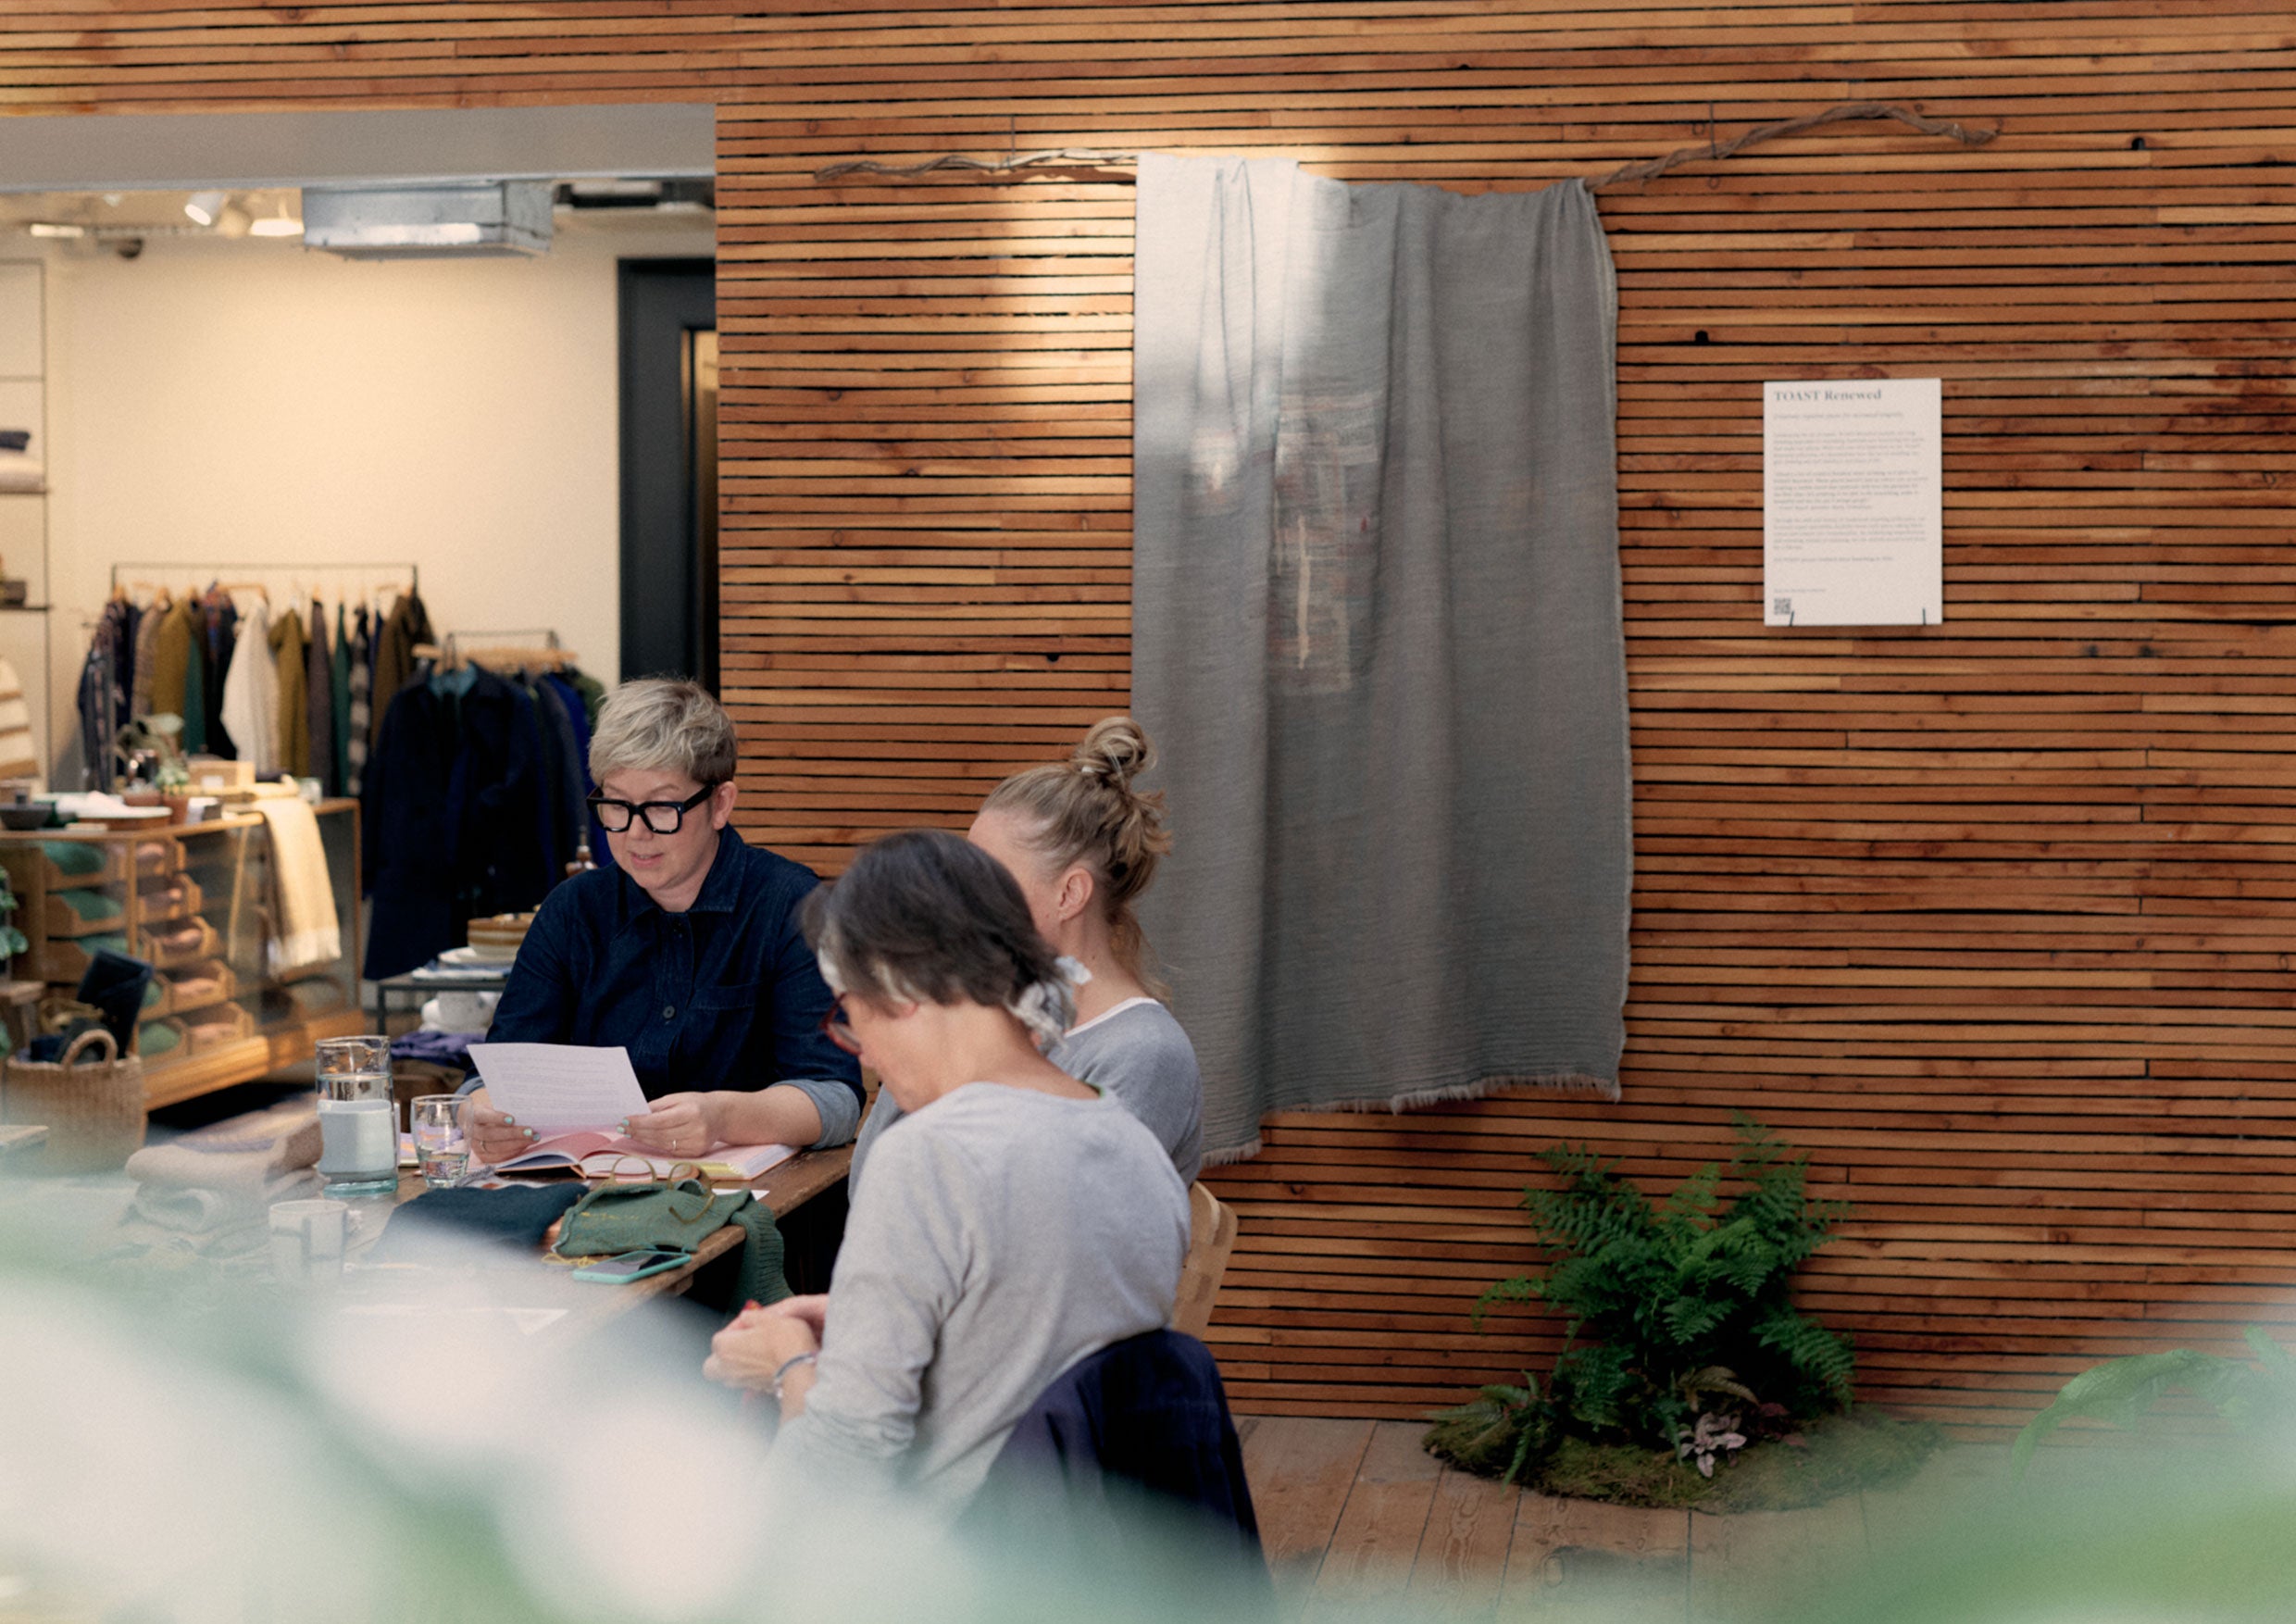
[[1991, 918]]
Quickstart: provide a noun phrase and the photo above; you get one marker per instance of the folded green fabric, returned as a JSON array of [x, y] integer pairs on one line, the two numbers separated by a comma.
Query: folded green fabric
[[614, 1219], [115, 939], [762, 1278], [91, 905], [158, 1039], [74, 857]]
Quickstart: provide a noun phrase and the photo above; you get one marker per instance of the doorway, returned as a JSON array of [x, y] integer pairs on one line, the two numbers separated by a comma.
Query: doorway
[[670, 468]]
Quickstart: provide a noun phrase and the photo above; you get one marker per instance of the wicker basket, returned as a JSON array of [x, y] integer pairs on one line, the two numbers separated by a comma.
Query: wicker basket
[[93, 1109]]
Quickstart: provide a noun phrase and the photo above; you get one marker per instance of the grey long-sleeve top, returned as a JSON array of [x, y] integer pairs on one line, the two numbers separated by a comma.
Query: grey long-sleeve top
[[1004, 1235], [1137, 1053]]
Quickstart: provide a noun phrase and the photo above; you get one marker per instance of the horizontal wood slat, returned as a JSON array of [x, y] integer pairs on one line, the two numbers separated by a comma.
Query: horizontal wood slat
[[1991, 918]]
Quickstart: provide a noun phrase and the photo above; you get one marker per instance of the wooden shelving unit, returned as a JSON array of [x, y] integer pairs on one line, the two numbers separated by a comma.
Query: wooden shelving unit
[[191, 898]]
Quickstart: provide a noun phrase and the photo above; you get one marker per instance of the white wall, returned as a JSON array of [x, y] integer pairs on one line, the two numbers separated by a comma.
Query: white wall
[[214, 401]]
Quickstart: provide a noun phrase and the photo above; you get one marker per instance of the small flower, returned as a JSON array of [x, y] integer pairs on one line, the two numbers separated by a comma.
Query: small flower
[[1714, 1436]]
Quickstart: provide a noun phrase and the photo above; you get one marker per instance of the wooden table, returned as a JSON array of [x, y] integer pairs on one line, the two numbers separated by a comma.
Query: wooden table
[[783, 1190]]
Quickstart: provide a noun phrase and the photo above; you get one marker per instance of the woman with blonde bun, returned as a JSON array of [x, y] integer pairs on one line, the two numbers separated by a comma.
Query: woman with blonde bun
[[1082, 843]]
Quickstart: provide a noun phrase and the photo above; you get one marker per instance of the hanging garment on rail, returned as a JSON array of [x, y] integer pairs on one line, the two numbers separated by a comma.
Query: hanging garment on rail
[[565, 810], [132, 620], [452, 812], [295, 719], [319, 701], [250, 710], [194, 710], [222, 626], [147, 655], [171, 658], [339, 703], [407, 624], [99, 701], [565, 686], [359, 734], [103, 691]]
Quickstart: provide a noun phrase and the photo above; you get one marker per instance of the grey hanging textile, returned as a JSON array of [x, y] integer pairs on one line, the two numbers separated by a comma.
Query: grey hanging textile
[[1376, 635]]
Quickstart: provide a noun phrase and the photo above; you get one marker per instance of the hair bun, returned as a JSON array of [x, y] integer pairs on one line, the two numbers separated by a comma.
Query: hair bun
[[1116, 749]]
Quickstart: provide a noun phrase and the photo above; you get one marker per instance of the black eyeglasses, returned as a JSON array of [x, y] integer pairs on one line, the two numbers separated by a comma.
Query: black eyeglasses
[[833, 1026], [661, 817]]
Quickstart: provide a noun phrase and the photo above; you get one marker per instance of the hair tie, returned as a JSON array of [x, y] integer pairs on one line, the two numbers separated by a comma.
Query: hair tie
[[1048, 1008]]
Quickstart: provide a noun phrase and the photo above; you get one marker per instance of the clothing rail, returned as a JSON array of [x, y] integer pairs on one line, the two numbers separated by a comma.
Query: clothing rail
[[495, 650], [171, 571]]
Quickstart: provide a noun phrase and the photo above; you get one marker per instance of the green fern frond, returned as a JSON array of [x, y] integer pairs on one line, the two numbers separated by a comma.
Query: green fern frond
[[2270, 1354], [1697, 1281], [2119, 1391], [1814, 1354], [1515, 1289]]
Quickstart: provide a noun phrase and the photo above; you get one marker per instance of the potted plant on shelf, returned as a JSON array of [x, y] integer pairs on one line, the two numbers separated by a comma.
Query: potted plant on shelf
[[153, 744]]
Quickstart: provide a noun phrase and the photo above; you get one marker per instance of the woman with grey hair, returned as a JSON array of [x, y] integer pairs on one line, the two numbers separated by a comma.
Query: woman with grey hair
[[688, 953], [1019, 1221]]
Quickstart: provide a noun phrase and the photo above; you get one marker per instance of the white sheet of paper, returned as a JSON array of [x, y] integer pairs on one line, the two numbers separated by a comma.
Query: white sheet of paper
[[554, 1087], [1853, 503]]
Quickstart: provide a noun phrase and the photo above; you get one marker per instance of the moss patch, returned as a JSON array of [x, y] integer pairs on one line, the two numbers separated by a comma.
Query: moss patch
[[1841, 1454]]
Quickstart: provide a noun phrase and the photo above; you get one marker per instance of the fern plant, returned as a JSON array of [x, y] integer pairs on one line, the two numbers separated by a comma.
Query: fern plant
[[2119, 1391], [1674, 1309]]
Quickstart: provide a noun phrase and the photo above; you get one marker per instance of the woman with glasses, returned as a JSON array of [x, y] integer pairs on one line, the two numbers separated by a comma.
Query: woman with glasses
[[1083, 841], [1019, 1220], [687, 952]]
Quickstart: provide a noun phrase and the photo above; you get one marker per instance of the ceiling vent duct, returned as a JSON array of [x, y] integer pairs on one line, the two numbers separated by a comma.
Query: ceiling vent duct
[[463, 219]]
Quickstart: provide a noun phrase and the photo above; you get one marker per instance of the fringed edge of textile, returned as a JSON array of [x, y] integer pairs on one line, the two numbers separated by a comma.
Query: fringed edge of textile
[[304, 950], [1241, 1153], [1572, 1082], [1576, 1082]]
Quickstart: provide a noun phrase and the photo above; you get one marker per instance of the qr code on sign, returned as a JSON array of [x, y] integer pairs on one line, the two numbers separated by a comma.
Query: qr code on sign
[[1781, 605]]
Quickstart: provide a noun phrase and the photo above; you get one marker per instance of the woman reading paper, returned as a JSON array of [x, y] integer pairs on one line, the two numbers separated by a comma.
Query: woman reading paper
[[688, 952]]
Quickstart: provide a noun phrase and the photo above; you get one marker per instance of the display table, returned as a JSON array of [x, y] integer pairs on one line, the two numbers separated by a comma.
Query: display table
[[412, 988], [193, 899]]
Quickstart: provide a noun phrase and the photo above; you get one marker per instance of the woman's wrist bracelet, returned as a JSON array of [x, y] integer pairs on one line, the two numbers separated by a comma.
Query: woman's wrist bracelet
[[788, 1365]]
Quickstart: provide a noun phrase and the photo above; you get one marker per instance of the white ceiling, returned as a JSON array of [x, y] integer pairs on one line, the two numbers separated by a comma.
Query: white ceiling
[[184, 152]]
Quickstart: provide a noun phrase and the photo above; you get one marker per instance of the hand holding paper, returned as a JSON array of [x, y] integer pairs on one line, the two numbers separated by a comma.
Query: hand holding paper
[[553, 1087]]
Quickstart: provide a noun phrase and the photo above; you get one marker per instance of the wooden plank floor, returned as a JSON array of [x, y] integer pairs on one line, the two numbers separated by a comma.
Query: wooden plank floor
[[1360, 1522]]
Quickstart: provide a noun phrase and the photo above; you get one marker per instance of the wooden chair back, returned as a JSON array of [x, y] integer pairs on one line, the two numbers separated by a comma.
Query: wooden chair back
[[1211, 1237]]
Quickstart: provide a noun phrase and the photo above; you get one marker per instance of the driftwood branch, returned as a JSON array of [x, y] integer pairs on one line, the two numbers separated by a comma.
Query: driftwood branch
[[1651, 169], [1117, 166], [1062, 160]]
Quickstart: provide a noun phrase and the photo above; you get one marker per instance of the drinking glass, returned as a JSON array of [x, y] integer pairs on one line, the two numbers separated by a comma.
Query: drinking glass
[[439, 1144], [307, 1239], [358, 1123]]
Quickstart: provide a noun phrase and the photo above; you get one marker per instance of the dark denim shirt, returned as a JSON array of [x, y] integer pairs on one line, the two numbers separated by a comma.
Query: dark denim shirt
[[725, 996]]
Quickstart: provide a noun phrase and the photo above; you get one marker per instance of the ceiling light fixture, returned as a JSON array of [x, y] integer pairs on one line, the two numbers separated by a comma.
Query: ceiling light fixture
[[281, 224], [55, 229], [203, 207]]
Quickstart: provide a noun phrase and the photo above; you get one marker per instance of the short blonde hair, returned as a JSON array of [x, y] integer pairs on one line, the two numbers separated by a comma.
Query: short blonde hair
[[663, 724]]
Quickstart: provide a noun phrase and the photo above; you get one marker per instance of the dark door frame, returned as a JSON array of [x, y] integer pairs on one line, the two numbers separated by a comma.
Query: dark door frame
[[669, 587]]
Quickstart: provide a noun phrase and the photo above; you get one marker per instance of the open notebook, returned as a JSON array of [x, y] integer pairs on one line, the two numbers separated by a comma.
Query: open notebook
[[595, 1156], [561, 1087]]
